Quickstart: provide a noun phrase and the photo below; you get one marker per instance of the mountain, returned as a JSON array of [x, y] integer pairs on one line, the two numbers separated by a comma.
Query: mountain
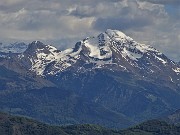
[[112, 48], [17, 47], [153, 127], [60, 106], [10, 125], [173, 118], [23, 92], [109, 79], [12, 81], [14, 77]]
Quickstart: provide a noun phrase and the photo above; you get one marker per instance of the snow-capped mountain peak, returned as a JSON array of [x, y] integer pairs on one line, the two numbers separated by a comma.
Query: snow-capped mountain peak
[[47, 59], [111, 48], [115, 34], [113, 41], [38, 47]]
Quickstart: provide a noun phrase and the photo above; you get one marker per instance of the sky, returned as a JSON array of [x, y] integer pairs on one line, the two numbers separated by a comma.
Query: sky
[[65, 22]]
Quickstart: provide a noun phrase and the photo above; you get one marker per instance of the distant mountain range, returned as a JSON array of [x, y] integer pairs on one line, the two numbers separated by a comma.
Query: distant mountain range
[[109, 80], [14, 47]]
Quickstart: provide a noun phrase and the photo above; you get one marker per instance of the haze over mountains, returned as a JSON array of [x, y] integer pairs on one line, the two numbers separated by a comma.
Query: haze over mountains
[[110, 80]]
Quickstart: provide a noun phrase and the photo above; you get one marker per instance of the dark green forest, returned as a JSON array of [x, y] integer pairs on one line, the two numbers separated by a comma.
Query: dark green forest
[[16, 125]]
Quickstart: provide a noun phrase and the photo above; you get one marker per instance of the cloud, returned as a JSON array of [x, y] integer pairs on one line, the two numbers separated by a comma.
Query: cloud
[[121, 23], [64, 22], [164, 2]]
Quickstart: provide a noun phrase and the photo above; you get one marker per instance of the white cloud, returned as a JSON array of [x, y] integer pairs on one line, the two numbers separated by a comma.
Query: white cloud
[[10, 2]]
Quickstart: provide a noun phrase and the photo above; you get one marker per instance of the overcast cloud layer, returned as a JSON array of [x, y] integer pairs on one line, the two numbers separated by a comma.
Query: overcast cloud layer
[[64, 22]]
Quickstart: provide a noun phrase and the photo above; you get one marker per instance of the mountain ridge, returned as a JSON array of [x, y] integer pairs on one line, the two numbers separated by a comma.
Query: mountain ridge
[[110, 71], [106, 48]]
